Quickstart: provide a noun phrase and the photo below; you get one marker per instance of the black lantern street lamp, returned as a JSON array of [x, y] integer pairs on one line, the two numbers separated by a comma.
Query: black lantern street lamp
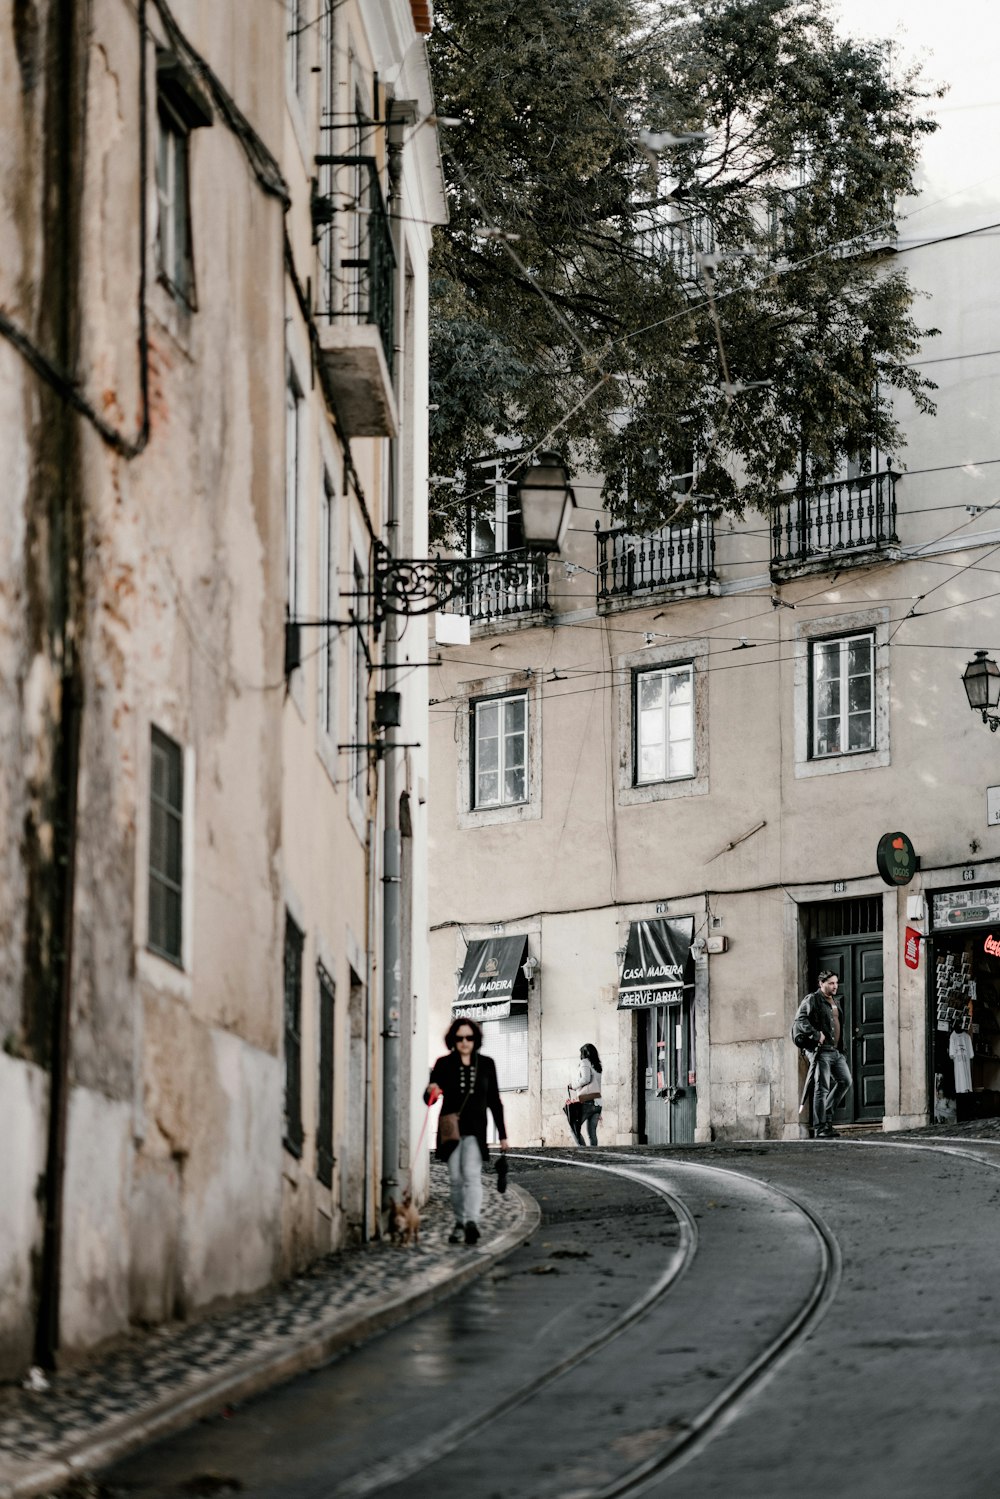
[[547, 501], [412, 586], [982, 687]]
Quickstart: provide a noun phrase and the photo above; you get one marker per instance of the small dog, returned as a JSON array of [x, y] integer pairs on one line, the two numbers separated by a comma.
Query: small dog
[[404, 1221]]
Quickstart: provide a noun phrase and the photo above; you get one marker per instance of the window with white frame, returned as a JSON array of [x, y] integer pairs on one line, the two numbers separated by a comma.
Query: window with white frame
[[359, 685], [295, 68], [663, 719], [500, 751], [842, 674], [293, 460], [506, 1041], [327, 598], [173, 226]]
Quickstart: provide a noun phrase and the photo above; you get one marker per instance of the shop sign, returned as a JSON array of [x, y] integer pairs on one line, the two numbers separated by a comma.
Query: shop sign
[[967, 907], [991, 947], [911, 947], [637, 999], [896, 859]]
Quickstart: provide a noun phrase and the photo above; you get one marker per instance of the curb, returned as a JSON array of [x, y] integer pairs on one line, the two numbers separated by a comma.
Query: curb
[[116, 1439]]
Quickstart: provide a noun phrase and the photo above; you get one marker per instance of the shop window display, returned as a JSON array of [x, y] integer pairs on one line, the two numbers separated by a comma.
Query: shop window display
[[967, 1035]]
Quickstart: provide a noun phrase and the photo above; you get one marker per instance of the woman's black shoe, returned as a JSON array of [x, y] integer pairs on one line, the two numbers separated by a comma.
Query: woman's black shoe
[[471, 1232], [457, 1234]]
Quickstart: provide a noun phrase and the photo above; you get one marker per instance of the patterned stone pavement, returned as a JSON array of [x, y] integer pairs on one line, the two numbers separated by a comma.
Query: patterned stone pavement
[[142, 1371]]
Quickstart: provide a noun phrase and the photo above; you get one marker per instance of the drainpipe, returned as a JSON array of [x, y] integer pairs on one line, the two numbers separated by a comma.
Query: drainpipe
[[58, 617], [392, 841]]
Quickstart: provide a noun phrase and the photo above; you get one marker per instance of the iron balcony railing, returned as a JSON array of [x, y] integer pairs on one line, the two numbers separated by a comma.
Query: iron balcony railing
[[357, 259], [666, 558], [845, 516], [681, 241], [501, 587]]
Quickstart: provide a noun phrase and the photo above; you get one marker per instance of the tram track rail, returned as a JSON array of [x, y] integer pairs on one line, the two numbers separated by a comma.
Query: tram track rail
[[712, 1418]]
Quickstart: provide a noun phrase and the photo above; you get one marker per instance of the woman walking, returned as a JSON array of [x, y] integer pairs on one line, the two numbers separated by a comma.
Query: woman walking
[[467, 1082], [588, 1093]]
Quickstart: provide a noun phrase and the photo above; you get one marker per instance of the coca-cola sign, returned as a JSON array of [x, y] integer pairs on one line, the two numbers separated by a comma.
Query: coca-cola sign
[[992, 946]]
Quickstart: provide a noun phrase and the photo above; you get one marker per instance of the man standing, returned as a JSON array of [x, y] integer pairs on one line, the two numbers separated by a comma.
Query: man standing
[[819, 1028]]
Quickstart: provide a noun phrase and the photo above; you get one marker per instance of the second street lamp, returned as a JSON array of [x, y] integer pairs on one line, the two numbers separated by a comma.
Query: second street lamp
[[982, 687]]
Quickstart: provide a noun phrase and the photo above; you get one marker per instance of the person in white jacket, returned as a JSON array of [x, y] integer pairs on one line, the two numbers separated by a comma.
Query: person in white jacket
[[587, 1090]]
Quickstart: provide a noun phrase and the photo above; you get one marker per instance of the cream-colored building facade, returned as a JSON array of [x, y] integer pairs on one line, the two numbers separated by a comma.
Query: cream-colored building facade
[[713, 728], [210, 417]]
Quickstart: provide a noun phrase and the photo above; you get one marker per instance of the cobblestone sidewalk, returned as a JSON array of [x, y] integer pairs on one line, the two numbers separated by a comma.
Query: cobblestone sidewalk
[[160, 1380]]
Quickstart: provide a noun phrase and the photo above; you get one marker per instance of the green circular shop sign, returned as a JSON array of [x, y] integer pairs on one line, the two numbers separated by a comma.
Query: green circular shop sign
[[896, 859]]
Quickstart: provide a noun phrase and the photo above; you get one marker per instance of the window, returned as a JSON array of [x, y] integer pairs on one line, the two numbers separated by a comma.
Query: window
[[324, 1126], [506, 1041], [294, 945], [843, 698], [500, 758], [173, 228], [663, 715], [295, 46], [327, 605], [293, 452], [359, 686], [166, 848]]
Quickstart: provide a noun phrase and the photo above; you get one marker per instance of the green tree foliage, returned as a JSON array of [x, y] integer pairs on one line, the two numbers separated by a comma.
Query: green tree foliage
[[638, 299]]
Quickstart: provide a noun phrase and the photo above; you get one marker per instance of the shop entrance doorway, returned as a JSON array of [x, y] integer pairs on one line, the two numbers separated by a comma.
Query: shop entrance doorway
[[666, 1063], [846, 937]]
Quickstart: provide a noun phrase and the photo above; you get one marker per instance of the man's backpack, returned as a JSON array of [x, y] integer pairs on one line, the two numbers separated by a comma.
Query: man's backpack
[[800, 1032]]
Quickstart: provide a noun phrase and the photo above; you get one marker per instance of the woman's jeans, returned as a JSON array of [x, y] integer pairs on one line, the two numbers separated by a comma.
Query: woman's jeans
[[465, 1173], [589, 1119]]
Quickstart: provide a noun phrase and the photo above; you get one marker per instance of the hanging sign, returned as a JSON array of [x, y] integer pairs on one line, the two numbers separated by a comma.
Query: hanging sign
[[896, 859], [911, 947]]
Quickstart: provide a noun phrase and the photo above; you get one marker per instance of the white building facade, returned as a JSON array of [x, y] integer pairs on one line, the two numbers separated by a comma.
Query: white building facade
[[699, 739]]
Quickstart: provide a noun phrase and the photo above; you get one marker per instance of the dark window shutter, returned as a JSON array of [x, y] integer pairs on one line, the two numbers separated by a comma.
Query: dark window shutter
[[324, 1129], [294, 945]]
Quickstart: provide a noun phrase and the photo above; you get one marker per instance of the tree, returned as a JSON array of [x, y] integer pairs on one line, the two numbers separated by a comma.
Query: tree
[[670, 245]]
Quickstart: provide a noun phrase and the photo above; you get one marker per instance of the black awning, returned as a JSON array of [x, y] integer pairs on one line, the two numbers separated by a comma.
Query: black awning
[[656, 958], [491, 978]]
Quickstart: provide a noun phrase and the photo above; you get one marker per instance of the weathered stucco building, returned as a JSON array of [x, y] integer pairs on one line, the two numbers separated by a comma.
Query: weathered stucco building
[[711, 728], [209, 414]]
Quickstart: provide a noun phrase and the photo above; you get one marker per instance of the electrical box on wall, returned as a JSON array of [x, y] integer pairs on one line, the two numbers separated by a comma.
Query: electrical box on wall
[[717, 944]]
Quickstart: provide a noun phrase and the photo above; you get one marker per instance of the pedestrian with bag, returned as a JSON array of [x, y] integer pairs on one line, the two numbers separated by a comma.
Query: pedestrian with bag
[[818, 1029], [587, 1089], [466, 1081]]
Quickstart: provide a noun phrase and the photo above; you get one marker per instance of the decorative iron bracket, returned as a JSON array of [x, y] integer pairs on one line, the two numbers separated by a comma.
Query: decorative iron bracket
[[422, 585]]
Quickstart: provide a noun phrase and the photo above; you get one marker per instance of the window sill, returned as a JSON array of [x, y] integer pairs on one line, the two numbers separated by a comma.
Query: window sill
[[832, 765], [663, 791], [486, 817]]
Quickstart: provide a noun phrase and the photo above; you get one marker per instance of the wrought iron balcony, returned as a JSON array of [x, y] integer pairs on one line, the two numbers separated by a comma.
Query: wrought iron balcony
[[671, 557], [501, 587], [356, 312], [848, 518]]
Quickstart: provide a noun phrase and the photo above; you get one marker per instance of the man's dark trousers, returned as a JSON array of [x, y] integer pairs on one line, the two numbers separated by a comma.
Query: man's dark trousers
[[831, 1084]]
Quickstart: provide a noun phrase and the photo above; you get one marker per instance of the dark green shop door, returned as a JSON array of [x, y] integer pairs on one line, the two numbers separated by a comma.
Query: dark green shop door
[[857, 961]]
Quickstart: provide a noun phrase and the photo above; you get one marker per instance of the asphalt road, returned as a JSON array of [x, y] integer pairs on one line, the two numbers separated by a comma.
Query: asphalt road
[[748, 1321]]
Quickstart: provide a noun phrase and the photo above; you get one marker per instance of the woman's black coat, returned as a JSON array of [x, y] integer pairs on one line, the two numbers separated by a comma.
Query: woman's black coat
[[485, 1095]]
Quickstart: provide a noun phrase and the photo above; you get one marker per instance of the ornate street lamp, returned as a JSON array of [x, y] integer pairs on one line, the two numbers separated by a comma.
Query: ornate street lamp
[[411, 585], [982, 687]]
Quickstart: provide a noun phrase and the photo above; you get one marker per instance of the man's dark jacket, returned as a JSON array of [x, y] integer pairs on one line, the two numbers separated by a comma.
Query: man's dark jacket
[[813, 1015]]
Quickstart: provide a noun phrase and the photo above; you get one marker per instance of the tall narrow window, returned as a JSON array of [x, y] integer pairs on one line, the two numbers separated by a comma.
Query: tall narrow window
[[293, 457], [173, 225], [843, 697], [328, 595], [295, 45], [663, 714], [500, 761], [166, 848], [324, 1126], [359, 686], [294, 946]]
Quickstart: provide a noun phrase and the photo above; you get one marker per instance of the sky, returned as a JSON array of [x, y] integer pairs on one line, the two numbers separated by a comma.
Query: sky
[[958, 44]]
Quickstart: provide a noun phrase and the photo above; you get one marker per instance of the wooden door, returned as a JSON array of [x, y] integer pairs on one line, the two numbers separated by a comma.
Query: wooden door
[[857, 962]]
